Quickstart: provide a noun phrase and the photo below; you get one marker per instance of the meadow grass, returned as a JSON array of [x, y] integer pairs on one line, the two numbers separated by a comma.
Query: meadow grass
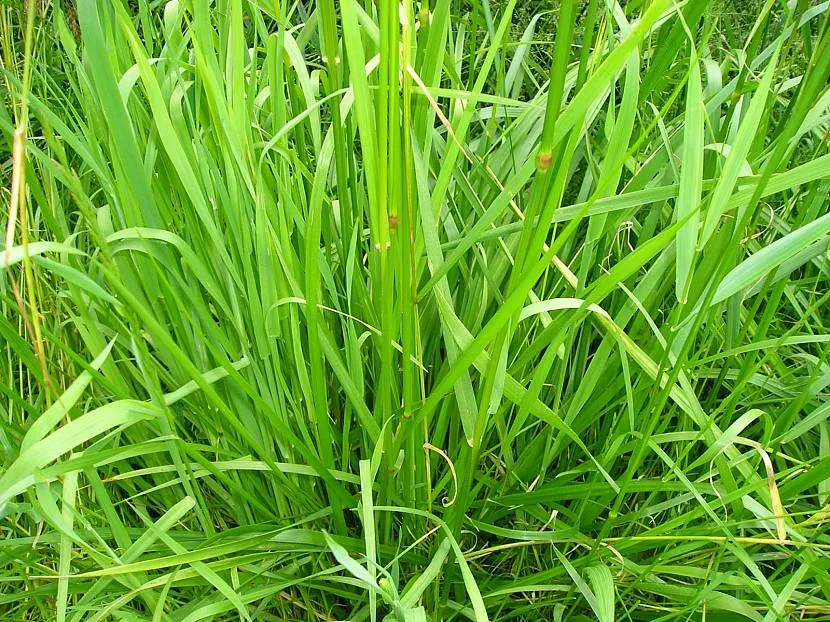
[[434, 310]]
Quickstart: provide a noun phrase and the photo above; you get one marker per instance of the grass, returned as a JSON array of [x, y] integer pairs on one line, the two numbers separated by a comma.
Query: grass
[[356, 310]]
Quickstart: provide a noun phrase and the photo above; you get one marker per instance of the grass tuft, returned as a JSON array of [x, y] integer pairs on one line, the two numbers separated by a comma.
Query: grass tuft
[[409, 311]]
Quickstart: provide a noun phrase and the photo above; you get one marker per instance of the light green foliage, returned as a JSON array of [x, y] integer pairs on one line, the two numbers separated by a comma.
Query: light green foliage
[[414, 311]]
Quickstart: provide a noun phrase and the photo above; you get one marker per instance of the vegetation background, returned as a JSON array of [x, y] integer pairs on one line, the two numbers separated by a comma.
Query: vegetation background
[[431, 310]]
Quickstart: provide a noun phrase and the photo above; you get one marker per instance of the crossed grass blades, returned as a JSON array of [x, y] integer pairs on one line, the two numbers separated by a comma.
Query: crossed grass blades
[[423, 311]]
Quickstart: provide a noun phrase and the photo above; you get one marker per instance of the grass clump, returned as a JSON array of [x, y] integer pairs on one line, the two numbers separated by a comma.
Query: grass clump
[[367, 310]]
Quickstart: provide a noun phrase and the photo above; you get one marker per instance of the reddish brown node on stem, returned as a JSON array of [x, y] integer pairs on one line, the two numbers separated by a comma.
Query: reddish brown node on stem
[[543, 161], [393, 221]]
